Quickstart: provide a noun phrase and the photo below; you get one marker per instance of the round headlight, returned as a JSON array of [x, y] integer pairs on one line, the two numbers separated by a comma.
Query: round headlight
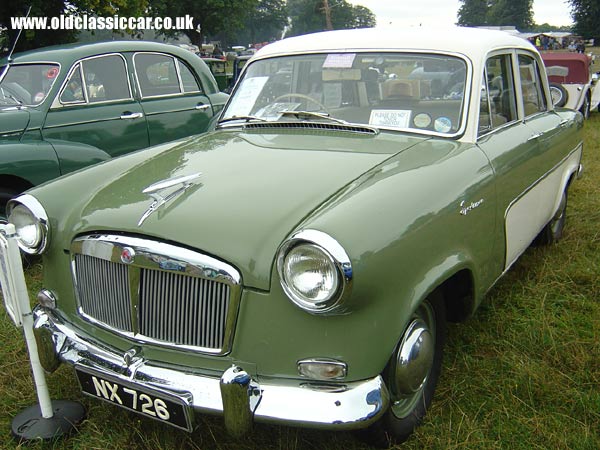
[[310, 274], [31, 224], [315, 271]]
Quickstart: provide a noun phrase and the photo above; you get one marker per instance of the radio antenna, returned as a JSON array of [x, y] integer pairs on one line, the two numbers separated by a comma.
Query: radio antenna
[[9, 58]]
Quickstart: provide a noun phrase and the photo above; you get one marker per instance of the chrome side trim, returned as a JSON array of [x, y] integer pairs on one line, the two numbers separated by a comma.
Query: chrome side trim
[[167, 259], [333, 406]]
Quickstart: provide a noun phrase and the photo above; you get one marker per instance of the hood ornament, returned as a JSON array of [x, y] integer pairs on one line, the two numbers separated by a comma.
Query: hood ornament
[[154, 191]]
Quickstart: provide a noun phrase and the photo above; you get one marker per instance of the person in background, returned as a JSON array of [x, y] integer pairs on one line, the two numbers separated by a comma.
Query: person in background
[[217, 52]]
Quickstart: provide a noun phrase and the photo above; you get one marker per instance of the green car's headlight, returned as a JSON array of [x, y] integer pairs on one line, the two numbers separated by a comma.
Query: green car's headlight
[[315, 271], [31, 223]]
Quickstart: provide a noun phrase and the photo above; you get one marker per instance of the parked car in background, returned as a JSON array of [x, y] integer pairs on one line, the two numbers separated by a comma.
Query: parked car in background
[[63, 108], [298, 265], [573, 83], [218, 68], [238, 65]]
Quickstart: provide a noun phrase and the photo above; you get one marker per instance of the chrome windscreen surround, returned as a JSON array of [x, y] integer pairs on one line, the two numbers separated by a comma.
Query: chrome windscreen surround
[[156, 293], [336, 253]]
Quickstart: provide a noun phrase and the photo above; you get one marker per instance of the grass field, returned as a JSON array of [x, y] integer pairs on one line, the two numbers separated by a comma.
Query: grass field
[[522, 373]]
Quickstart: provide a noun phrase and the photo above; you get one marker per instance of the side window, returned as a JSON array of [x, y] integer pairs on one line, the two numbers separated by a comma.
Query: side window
[[97, 80], [73, 91], [105, 79], [498, 103], [534, 100], [188, 81], [156, 74]]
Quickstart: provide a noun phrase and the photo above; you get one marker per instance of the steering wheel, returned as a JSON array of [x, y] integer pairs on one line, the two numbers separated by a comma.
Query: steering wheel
[[302, 96]]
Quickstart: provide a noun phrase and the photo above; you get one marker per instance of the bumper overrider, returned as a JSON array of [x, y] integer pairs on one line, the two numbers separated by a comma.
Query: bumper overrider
[[234, 393]]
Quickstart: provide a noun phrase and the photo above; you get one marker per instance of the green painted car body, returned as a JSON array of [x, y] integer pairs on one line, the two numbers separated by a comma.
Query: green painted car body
[[45, 134], [408, 207], [218, 68]]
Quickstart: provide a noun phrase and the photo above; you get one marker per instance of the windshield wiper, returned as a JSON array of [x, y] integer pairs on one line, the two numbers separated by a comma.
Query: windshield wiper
[[311, 114], [244, 118], [7, 95]]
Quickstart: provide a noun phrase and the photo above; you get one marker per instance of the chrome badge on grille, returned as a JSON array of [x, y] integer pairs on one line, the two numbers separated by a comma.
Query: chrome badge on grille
[[155, 189]]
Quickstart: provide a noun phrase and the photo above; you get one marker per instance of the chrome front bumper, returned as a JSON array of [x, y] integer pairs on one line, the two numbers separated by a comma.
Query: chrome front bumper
[[234, 394]]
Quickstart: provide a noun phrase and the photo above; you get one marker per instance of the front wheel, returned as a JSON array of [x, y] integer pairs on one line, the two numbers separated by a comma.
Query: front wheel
[[412, 374], [585, 108], [5, 195]]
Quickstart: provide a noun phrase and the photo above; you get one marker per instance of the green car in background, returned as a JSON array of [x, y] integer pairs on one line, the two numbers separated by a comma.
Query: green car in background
[[299, 264], [63, 108], [218, 68]]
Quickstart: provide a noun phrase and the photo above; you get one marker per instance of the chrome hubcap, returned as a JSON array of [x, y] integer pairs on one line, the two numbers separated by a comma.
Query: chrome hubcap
[[414, 361], [415, 358]]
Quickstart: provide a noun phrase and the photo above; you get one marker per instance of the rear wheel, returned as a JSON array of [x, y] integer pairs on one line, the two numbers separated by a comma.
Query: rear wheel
[[553, 230], [412, 374]]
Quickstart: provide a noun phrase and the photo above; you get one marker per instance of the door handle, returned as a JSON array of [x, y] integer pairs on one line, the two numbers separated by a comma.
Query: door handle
[[535, 136], [129, 115], [202, 107]]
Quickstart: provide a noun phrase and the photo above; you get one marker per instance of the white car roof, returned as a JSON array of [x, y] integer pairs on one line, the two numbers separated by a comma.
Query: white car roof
[[472, 42]]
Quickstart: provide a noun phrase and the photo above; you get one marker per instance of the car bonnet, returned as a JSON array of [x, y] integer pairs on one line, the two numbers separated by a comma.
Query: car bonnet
[[245, 193]]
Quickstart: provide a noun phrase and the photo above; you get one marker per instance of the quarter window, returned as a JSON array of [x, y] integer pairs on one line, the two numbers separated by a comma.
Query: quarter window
[[531, 86], [188, 81], [73, 90]]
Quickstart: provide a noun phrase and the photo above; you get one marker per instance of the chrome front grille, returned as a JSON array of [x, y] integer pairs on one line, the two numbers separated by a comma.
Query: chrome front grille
[[192, 310], [103, 291], [156, 292]]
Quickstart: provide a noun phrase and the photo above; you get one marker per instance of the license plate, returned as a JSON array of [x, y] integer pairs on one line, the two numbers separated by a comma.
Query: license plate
[[159, 405]]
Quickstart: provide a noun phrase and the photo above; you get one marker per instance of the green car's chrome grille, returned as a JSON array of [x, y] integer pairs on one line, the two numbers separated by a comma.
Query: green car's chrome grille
[[155, 292], [192, 310], [103, 292]]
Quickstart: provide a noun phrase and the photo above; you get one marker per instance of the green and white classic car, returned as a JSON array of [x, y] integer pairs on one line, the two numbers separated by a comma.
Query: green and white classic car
[[298, 265], [64, 108]]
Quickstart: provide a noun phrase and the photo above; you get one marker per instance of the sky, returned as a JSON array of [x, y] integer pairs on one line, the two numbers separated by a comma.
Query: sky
[[443, 12]]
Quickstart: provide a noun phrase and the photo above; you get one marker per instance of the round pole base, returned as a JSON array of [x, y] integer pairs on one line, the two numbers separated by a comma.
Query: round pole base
[[30, 425]]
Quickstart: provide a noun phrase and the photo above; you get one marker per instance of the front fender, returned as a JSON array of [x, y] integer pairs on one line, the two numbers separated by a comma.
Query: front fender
[[74, 156], [34, 161], [407, 226]]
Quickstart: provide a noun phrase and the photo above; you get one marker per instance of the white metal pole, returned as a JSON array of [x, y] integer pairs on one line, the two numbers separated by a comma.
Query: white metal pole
[[22, 298]]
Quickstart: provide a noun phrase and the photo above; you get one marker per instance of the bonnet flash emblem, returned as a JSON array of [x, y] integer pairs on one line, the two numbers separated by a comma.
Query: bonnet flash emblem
[[154, 191]]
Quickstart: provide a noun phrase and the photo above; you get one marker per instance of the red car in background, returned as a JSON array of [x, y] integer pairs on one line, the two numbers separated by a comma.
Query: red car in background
[[573, 84]]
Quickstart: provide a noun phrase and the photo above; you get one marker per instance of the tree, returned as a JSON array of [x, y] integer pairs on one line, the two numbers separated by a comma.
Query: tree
[[586, 15], [363, 17], [473, 13], [512, 12], [53, 8], [517, 13], [309, 16], [209, 16], [265, 23]]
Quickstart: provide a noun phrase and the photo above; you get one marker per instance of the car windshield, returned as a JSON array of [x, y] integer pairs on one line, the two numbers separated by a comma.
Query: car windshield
[[399, 91], [26, 84]]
